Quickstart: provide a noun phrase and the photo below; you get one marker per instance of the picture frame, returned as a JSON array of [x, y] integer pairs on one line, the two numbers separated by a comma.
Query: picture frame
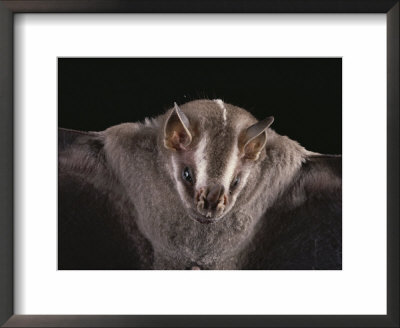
[[7, 10]]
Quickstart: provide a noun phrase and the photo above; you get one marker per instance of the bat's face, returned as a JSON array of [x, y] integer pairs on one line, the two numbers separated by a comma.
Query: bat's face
[[212, 155]]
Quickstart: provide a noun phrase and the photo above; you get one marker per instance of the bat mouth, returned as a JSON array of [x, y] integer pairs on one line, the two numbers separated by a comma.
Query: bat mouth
[[203, 219]]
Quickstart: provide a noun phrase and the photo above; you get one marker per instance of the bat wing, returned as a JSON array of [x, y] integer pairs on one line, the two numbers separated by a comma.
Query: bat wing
[[303, 230], [95, 229]]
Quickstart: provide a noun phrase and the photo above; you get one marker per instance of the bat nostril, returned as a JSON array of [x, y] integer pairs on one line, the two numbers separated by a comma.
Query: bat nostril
[[200, 198], [198, 195]]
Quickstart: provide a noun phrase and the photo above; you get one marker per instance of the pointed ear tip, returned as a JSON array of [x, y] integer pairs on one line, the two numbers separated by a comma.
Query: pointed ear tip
[[270, 120], [177, 109]]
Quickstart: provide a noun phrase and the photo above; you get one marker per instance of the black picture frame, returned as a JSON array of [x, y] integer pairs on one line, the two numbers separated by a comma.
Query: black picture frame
[[10, 7]]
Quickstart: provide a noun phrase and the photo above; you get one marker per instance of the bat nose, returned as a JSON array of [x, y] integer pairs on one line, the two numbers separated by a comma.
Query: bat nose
[[214, 195], [211, 200]]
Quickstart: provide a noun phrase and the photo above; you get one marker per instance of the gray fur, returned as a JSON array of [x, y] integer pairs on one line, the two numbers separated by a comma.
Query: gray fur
[[135, 169]]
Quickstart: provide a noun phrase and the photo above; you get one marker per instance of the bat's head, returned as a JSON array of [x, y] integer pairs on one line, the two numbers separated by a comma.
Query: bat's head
[[213, 148]]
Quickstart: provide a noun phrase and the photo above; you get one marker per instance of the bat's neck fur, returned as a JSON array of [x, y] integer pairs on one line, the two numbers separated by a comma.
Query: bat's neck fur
[[143, 171]]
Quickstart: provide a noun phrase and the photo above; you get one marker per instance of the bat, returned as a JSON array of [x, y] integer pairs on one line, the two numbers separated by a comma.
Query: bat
[[203, 186]]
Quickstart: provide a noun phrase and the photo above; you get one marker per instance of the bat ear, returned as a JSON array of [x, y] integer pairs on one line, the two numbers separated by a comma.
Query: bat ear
[[255, 138], [177, 135]]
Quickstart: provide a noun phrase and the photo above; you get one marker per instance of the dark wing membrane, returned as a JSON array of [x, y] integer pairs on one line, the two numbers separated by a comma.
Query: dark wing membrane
[[94, 231], [303, 230], [66, 137]]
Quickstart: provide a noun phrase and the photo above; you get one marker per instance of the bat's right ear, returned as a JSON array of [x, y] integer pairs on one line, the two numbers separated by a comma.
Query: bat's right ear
[[177, 135], [255, 138]]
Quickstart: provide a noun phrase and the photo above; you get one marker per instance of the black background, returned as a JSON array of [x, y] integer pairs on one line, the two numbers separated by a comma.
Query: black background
[[304, 95]]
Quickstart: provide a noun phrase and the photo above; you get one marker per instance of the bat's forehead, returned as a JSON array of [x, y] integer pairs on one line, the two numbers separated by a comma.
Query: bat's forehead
[[219, 125]]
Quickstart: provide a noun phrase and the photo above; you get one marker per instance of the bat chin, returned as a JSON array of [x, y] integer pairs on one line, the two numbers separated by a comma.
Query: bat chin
[[204, 220]]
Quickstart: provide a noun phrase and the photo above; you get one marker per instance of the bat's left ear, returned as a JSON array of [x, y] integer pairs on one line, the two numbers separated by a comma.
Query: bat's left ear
[[177, 134], [254, 138]]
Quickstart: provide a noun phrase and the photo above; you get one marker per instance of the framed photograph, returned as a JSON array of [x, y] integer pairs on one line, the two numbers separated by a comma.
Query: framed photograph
[[143, 141], [215, 175]]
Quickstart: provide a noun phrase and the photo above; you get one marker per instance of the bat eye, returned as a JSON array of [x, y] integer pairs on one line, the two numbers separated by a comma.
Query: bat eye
[[187, 175], [235, 182]]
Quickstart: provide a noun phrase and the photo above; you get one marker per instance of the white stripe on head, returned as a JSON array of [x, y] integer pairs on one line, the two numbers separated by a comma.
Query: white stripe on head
[[176, 177], [201, 163], [222, 106], [230, 168], [176, 173]]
